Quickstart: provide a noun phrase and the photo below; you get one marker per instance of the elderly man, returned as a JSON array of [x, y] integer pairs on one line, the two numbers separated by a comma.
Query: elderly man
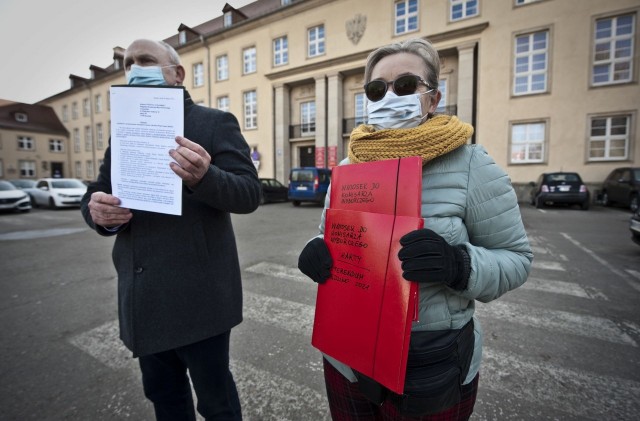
[[179, 288]]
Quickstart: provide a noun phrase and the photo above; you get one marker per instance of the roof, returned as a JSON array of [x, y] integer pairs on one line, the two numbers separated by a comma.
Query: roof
[[40, 119]]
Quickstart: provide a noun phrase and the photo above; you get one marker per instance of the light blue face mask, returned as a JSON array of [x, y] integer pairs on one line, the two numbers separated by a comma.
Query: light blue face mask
[[396, 112], [145, 75]]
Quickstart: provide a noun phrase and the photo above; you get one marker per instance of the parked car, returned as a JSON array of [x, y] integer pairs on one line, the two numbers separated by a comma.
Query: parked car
[[58, 192], [12, 198], [25, 185], [622, 187], [273, 191], [308, 184], [559, 188], [634, 226]]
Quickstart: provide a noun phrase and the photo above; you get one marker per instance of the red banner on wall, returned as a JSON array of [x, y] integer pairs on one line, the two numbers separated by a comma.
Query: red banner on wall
[[333, 156], [320, 156]]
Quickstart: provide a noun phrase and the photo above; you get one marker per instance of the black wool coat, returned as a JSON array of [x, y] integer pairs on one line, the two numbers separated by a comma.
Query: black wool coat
[[179, 276]]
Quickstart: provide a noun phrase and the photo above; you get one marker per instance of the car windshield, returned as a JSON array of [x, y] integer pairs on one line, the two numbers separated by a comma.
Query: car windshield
[[67, 184], [563, 177], [5, 185], [302, 176], [22, 184]]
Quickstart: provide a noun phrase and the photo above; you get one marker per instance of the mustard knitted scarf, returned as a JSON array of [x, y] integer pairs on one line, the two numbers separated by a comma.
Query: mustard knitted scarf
[[437, 136]]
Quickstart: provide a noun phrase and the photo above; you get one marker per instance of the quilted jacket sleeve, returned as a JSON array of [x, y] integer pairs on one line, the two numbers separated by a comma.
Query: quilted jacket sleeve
[[498, 246]]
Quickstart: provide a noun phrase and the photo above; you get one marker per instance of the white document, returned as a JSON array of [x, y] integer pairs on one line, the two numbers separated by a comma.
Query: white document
[[144, 124]]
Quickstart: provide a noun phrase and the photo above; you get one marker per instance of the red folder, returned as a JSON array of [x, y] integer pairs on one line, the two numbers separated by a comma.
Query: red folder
[[365, 310]]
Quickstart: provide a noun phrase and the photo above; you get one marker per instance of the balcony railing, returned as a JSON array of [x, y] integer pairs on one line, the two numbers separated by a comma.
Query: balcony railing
[[302, 130]]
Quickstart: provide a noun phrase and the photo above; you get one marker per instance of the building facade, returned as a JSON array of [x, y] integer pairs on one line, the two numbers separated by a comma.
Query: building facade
[[549, 85]]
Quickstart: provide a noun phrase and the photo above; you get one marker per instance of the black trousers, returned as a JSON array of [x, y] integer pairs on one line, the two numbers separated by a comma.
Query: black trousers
[[166, 382]]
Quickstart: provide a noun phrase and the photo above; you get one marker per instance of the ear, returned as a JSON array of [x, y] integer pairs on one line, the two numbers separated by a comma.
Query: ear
[[180, 74], [434, 100]]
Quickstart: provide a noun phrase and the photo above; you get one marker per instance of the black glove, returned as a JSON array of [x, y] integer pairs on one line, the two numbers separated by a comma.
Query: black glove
[[427, 257], [315, 261]]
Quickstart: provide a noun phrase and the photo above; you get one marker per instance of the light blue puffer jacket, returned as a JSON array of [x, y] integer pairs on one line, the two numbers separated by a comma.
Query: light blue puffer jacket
[[468, 199]]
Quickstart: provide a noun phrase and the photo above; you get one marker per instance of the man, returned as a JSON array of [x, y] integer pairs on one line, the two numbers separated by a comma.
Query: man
[[179, 289]]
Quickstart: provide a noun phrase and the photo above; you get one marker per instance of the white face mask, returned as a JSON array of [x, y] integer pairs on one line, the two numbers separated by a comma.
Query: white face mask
[[396, 112]]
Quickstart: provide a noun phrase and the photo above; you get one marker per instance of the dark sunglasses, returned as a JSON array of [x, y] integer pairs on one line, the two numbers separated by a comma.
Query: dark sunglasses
[[404, 85]]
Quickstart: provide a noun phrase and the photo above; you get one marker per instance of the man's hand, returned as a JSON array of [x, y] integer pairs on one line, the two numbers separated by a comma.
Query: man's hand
[[192, 161], [105, 211]]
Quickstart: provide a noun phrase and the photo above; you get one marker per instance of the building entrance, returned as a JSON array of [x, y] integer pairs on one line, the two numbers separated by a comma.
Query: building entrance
[[307, 156]]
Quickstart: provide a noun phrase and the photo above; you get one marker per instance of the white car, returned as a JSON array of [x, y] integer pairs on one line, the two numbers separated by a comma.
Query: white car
[[58, 192], [12, 198]]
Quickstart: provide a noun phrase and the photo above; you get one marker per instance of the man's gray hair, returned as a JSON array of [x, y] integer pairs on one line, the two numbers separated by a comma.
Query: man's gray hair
[[418, 46], [173, 54]]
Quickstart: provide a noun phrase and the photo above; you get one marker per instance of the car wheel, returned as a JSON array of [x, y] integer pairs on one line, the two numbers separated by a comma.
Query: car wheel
[[539, 203], [584, 205], [262, 199], [633, 203], [52, 203], [34, 204], [605, 199], [296, 203]]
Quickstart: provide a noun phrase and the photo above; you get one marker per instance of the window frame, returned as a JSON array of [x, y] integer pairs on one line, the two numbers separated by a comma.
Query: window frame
[[465, 9], [218, 103], [56, 146], [359, 110], [530, 55], [279, 51], [319, 43], [198, 75], [88, 139], [612, 60], [250, 110], [407, 18], [528, 142], [222, 67], [607, 137], [249, 62], [27, 168], [26, 143], [308, 115]]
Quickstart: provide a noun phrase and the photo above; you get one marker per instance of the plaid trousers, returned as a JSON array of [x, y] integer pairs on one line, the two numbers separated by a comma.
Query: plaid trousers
[[347, 403]]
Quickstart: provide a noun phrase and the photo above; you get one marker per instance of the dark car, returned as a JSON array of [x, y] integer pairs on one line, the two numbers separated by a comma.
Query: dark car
[[559, 188], [308, 184], [634, 227], [622, 187], [272, 191]]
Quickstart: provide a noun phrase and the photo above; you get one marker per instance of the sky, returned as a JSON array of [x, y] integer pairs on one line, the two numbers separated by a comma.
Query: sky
[[42, 42]]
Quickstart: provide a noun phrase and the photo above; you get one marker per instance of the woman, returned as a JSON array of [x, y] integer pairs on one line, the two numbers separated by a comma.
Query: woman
[[474, 246]]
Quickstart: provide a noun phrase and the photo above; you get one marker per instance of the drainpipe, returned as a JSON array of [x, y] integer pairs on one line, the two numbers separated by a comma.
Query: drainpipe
[[208, 69]]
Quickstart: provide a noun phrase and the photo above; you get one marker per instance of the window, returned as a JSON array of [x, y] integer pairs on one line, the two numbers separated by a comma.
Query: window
[[308, 118], [609, 138], [285, 2], [531, 56], [88, 141], [442, 87], [76, 140], [198, 75], [227, 19], [315, 41], [26, 143], [27, 169], [222, 68], [361, 108], [182, 37], [21, 117], [521, 2], [74, 110], [462, 9], [223, 103], [527, 142], [86, 107], [99, 137], [250, 110], [613, 50], [90, 170], [406, 19], [56, 145], [65, 113], [78, 169], [98, 100], [280, 51], [249, 60]]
